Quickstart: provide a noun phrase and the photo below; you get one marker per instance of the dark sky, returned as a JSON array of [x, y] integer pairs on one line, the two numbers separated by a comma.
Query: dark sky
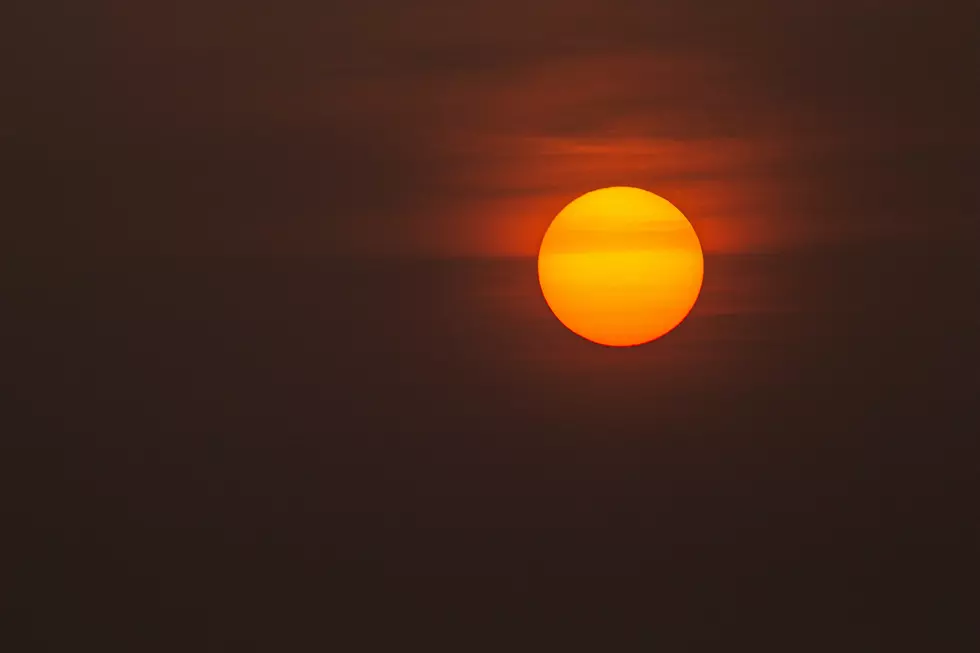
[[272, 380], [461, 128]]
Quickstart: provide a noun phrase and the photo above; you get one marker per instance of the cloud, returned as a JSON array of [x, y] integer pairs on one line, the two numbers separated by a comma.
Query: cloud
[[455, 127]]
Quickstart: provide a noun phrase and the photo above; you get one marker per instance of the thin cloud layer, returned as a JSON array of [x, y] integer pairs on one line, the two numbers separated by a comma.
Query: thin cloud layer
[[461, 128]]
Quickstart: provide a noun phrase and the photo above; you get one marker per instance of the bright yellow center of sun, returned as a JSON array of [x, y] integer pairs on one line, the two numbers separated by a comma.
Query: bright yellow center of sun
[[620, 266]]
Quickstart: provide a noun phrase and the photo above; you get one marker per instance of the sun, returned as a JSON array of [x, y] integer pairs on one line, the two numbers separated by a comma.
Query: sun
[[620, 266]]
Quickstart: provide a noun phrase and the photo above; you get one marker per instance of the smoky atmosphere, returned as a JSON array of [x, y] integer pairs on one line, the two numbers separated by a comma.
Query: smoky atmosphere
[[490, 326]]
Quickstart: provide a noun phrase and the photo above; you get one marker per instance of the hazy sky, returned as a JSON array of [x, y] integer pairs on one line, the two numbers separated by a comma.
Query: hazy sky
[[454, 128], [223, 453]]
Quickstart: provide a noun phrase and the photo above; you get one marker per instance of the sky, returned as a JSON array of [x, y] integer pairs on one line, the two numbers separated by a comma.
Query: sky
[[441, 128], [277, 368]]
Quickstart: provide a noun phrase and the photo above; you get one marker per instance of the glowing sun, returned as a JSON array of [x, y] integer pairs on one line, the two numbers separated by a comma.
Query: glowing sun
[[620, 266]]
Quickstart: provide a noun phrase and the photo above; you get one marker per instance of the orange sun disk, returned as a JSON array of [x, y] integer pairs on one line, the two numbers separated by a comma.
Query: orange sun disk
[[620, 266]]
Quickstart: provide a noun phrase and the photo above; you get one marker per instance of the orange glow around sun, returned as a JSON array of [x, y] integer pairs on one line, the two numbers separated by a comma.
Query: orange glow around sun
[[620, 266]]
